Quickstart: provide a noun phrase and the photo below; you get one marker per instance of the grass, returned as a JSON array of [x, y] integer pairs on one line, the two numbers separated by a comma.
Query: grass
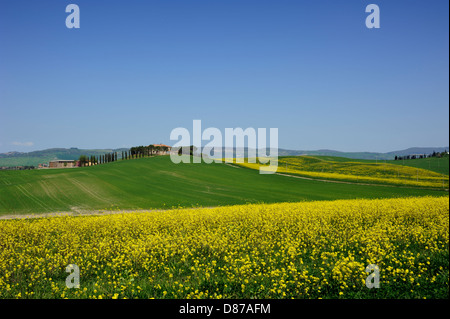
[[157, 183], [435, 164]]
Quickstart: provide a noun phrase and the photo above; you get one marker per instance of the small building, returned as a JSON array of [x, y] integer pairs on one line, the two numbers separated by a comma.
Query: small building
[[61, 164], [162, 149]]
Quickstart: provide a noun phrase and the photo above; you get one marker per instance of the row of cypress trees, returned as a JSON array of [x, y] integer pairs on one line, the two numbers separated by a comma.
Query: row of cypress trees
[[134, 152]]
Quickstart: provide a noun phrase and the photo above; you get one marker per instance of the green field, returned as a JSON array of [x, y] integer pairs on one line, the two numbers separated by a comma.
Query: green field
[[435, 164], [431, 172], [157, 183], [356, 171]]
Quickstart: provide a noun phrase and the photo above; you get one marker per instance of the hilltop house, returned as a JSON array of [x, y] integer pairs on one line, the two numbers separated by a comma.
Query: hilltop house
[[163, 149], [61, 164]]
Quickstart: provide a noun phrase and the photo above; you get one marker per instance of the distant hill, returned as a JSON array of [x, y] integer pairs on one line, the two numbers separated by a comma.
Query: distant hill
[[366, 155], [419, 150], [44, 156], [241, 152], [354, 155]]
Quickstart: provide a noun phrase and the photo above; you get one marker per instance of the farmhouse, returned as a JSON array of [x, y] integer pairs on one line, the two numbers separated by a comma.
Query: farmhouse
[[162, 149], [61, 164]]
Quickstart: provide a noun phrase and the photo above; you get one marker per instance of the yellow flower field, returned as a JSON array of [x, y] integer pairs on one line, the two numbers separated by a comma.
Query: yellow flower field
[[287, 250], [314, 167]]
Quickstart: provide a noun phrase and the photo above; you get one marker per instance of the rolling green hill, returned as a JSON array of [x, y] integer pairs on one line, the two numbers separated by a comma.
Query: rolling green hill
[[435, 164], [156, 183], [34, 158], [358, 171], [38, 157]]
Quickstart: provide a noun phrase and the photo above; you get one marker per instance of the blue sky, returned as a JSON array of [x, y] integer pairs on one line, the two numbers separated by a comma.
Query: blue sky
[[135, 70]]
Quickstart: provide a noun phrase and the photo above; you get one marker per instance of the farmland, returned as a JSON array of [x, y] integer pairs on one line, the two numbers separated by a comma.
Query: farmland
[[362, 171], [438, 165], [157, 183], [286, 250], [217, 231], [435, 164]]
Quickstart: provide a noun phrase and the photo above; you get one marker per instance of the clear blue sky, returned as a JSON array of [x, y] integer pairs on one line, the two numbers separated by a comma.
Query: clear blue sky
[[137, 69]]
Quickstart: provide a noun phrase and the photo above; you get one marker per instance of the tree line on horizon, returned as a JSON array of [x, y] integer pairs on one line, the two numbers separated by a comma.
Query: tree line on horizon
[[416, 156], [132, 153]]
